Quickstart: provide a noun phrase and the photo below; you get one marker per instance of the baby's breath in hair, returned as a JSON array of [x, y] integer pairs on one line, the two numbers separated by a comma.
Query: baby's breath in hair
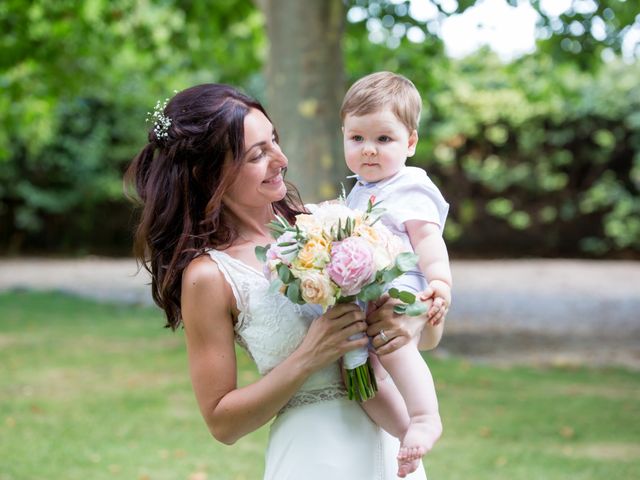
[[160, 120]]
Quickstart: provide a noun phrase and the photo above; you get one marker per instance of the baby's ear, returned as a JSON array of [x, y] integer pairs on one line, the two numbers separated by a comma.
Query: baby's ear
[[413, 142]]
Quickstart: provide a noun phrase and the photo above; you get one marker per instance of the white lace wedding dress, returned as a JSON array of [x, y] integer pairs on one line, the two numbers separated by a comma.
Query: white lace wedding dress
[[319, 434]]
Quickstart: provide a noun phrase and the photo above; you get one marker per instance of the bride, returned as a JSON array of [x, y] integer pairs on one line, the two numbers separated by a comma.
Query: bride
[[209, 180]]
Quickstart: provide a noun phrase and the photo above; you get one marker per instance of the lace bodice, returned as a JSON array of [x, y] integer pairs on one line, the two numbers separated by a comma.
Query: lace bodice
[[269, 327]]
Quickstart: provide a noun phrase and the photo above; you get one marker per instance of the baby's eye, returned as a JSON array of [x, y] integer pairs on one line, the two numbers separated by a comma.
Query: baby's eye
[[357, 138], [384, 138]]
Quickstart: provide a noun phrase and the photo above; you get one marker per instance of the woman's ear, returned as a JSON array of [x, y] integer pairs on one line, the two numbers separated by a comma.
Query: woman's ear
[[413, 142]]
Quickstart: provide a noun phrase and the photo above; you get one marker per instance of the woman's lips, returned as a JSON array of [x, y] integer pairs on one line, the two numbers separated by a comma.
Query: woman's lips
[[276, 179]]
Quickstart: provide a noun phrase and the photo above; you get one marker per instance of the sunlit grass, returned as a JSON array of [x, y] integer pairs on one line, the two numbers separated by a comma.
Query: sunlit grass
[[98, 391]]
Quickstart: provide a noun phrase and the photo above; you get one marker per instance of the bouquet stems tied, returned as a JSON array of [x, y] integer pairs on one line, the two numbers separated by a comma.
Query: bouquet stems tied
[[361, 382]]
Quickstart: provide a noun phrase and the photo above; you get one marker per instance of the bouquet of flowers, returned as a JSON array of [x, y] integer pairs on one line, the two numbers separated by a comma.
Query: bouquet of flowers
[[337, 255]]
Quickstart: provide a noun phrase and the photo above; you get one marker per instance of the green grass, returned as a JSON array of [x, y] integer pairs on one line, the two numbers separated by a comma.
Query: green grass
[[99, 391]]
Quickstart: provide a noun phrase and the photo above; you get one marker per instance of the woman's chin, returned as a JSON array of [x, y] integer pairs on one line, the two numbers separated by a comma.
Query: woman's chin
[[276, 194]]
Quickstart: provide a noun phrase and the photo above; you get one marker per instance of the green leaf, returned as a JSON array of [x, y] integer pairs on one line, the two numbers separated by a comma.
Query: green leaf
[[394, 293], [284, 273], [371, 292], [274, 286], [293, 292], [400, 309], [415, 309], [406, 297], [406, 261], [287, 244], [261, 253], [391, 274]]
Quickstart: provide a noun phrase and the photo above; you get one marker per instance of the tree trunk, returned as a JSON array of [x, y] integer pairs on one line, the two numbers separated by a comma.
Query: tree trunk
[[305, 85]]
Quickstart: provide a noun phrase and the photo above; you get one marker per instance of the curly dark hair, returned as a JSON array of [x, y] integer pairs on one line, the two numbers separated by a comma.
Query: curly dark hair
[[180, 179]]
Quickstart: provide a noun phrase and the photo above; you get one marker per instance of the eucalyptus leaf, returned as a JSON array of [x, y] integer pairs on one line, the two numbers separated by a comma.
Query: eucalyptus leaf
[[390, 275], [293, 292], [400, 309], [371, 292], [261, 253], [407, 297], [416, 308], [394, 293], [274, 286], [284, 273], [406, 261]]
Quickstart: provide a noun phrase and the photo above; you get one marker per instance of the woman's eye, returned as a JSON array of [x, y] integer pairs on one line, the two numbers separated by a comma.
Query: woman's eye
[[259, 156], [384, 139]]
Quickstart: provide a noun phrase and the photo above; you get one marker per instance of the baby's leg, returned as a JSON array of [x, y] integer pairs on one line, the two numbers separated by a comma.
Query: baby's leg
[[387, 409], [415, 383]]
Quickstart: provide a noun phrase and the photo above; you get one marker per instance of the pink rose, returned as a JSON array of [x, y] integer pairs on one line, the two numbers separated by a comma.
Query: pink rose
[[351, 265]]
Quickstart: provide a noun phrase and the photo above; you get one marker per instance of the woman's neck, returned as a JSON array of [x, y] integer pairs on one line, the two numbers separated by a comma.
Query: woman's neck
[[252, 224]]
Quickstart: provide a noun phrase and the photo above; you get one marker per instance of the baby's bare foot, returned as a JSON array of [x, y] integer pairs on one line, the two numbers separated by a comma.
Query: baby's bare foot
[[423, 432]]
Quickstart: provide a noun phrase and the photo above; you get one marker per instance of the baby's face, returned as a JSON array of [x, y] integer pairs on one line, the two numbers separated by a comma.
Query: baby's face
[[376, 145]]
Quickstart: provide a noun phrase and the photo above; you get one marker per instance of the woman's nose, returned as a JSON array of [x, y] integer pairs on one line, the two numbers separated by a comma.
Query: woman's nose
[[279, 158]]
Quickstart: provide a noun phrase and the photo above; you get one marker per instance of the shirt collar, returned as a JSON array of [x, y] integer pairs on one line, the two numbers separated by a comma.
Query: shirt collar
[[379, 183]]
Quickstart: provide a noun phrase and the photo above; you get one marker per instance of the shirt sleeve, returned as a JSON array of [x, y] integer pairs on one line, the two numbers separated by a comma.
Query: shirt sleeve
[[419, 200]]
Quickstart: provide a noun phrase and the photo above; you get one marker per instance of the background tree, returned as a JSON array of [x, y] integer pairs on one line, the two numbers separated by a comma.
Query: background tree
[[305, 84]]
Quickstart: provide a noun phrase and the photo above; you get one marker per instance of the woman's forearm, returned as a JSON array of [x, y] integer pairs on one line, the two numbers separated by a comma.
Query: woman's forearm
[[244, 410]]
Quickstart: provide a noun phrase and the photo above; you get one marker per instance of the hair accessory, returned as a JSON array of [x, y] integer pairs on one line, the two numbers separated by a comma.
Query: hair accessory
[[161, 121]]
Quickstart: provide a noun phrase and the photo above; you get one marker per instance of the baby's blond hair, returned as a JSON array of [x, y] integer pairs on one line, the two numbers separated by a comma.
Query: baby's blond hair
[[381, 90]]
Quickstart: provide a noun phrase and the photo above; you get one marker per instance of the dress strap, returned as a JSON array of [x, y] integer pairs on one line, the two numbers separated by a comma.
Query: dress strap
[[226, 266]]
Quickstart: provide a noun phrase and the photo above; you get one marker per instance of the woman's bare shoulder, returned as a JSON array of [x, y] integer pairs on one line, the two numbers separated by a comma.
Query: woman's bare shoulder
[[202, 279]]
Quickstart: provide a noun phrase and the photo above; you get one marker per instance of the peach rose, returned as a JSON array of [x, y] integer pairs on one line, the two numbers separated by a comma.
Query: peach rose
[[316, 287]]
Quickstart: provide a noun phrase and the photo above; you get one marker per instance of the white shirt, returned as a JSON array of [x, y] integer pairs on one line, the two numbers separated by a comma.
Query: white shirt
[[408, 195]]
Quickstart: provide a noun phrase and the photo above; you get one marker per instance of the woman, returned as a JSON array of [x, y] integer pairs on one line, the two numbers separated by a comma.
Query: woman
[[210, 179]]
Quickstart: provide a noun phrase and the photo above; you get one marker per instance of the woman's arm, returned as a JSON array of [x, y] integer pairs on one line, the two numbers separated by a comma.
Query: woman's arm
[[231, 412]]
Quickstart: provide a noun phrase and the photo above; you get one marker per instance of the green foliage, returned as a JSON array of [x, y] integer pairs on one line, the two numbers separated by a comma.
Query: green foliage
[[538, 155], [542, 156], [587, 32], [78, 78]]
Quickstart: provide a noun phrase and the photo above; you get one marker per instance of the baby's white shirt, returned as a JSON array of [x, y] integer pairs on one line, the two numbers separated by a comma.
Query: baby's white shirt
[[408, 195]]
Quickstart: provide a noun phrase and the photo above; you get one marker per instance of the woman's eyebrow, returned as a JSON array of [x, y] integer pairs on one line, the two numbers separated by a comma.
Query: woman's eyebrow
[[262, 142], [257, 144]]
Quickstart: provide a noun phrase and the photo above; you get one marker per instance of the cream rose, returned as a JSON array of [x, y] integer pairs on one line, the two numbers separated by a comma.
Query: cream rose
[[316, 287]]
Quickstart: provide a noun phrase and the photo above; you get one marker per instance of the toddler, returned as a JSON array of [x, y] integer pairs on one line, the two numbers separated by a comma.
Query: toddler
[[380, 115]]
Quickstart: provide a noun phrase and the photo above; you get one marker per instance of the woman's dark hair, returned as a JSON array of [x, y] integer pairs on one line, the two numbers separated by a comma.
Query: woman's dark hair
[[180, 178]]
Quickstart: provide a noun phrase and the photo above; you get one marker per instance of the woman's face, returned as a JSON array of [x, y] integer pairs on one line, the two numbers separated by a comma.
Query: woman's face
[[259, 181]]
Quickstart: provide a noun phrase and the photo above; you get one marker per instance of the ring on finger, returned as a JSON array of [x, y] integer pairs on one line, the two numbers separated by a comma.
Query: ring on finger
[[384, 338]]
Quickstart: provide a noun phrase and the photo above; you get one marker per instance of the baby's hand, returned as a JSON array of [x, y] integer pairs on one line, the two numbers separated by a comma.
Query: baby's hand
[[441, 303]]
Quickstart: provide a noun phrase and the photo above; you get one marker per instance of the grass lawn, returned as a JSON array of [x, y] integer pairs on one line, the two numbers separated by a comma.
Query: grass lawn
[[100, 391]]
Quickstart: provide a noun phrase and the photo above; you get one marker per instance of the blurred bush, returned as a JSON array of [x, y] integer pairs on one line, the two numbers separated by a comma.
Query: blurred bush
[[537, 158], [78, 78]]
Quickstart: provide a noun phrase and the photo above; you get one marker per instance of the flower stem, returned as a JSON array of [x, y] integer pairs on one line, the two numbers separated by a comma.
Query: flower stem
[[361, 383]]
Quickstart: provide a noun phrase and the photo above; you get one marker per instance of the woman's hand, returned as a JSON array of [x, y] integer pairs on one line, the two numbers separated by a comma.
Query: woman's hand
[[327, 338], [390, 330]]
